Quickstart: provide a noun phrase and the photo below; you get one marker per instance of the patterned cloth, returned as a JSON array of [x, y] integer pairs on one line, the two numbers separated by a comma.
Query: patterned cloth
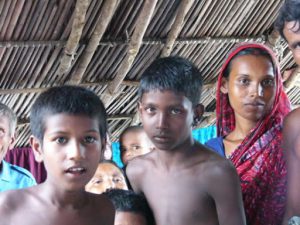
[[259, 158]]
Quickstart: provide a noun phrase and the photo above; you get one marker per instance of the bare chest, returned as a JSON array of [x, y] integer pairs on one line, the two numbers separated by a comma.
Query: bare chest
[[179, 199]]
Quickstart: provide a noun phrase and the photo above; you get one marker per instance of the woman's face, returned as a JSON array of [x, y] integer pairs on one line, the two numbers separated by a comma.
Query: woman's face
[[250, 87], [107, 176]]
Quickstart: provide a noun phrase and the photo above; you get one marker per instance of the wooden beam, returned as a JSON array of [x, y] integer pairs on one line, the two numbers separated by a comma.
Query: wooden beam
[[105, 17], [183, 9], [75, 35], [142, 23], [87, 84]]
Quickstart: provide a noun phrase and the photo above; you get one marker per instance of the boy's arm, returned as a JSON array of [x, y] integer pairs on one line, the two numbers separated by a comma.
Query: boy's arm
[[225, 189], [133, 173], [291, 147]]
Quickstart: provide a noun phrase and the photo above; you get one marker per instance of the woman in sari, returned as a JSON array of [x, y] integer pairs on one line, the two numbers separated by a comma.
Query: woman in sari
[[251, 105]]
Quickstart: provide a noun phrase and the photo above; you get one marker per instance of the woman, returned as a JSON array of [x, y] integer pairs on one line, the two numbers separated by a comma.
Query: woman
[[251, 105]]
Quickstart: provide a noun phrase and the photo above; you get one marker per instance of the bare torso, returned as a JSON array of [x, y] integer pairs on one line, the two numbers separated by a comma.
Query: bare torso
[[183, 194], [30, 207]]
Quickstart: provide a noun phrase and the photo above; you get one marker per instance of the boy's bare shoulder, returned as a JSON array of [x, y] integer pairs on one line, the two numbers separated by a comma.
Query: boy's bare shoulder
[[13, 200], [140, 164], [212, 164]]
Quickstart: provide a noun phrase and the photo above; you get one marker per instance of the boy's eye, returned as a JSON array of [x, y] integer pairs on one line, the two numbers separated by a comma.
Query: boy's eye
[[268, 83], [135, 147], [2, 132], [150, 109], [60, 140], [89, 139], [175, 111]]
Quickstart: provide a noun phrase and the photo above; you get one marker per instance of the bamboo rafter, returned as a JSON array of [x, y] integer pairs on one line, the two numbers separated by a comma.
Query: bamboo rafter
[[106, 14], [143, 21], [184, 7], [73, 41]]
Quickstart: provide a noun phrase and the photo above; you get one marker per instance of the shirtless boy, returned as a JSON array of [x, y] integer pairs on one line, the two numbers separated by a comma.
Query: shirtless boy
[[183, 181], [288, 25], [68, 127]]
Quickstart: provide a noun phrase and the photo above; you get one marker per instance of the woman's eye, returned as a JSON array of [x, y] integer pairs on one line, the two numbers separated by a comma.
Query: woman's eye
[[268, 83], [61, 140], [89, 139], [117, 179], [244, 81]]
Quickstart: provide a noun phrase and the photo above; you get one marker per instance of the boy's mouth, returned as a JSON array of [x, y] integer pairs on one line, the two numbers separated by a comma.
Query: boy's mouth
[[76, 170]]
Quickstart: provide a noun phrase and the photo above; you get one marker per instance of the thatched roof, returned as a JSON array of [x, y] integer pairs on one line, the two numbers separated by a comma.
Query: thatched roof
[[106, 45]]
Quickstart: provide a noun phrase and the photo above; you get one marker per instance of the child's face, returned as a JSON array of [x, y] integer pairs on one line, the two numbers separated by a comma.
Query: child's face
[[251, 87], [129, 218], [71, 150], [134, 143], [167, 118], [107, 176], [292, 35]]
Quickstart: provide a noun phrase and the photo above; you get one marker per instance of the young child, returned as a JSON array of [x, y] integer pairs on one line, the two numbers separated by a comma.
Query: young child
[[108, 176], [131, 208], [251, 105], [68, 127], [288, 24], [134, 142], [182, 180]]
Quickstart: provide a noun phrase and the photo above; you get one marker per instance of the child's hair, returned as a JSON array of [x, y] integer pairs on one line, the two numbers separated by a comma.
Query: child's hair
[[71, 100], [7, 112], [130, 129], [290, 11], [175, 74], [128, 201], [248, 51]]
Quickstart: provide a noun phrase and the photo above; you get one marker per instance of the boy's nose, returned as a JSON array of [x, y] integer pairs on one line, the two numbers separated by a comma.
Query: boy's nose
[[162, 121], [75, 151]]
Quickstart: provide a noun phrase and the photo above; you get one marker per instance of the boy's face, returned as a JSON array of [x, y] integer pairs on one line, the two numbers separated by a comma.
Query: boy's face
[[134, 143], [129, 218], [292, 34], [107, 176], [6, 138], [71, 150], [167, 118]]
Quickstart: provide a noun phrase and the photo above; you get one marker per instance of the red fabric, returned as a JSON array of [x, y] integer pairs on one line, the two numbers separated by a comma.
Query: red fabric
[[259, 158], [24, 157]]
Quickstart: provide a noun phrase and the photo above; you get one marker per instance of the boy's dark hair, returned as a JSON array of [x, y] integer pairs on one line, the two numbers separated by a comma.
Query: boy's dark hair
[[71, 100], [128, 201], [175, 74], [290, 11], [249, 51]]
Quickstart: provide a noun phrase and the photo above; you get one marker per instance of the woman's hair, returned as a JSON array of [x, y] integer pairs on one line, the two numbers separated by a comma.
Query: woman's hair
[[248, 51]]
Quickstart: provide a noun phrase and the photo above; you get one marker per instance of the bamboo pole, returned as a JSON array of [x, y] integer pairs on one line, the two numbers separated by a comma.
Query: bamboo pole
[[142, 23], [73, 41], [184, 7], [106, 15]]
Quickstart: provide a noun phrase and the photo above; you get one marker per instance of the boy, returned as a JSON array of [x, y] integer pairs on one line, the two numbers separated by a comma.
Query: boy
[[131, 208], [288, 25], [11, 176], [183, 181], [134, 142], [68, 127]]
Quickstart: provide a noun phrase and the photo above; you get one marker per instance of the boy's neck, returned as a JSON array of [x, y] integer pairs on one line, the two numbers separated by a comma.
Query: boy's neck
[[175, 157], [64, 199]]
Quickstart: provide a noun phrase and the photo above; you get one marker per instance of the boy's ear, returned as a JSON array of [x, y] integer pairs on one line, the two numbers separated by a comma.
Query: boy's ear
[[224, 85], [198, 113], [37, 148]]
